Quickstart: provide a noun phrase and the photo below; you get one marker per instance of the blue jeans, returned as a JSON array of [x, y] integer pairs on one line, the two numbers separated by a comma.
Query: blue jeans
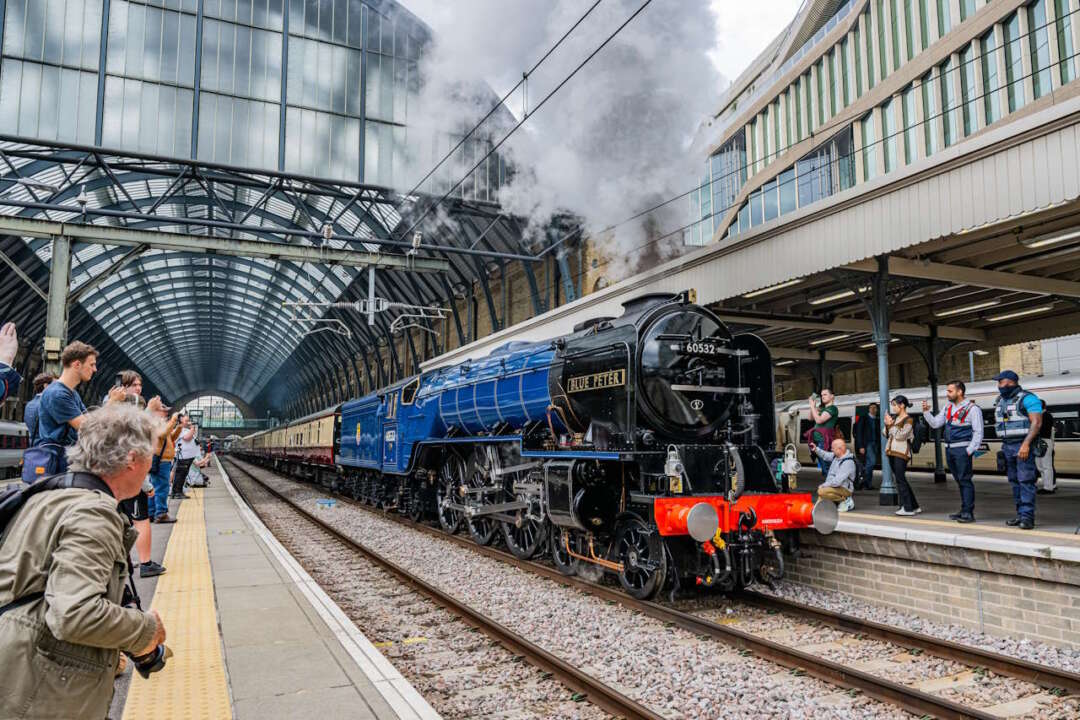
[[1022, 478], [159, 504], [960, 466], [824, 467]]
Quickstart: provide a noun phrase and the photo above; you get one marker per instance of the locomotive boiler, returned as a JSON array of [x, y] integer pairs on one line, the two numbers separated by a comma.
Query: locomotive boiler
[[635, 444]]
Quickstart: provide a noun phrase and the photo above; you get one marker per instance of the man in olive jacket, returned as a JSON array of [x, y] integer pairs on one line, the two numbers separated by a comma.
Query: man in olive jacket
[[60, 652]]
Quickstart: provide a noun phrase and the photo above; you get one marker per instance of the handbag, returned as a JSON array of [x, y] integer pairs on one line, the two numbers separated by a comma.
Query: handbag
[[42, 461]]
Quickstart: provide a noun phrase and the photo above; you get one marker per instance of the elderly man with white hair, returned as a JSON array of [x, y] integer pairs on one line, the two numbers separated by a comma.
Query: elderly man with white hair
[[63, 568]]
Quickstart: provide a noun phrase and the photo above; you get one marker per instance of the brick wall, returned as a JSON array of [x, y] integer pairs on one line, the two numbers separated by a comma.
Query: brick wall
[[998, 594], [1024, 358]]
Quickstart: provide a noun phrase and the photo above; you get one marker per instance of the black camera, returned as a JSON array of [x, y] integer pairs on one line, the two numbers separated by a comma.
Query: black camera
[[152, 661]]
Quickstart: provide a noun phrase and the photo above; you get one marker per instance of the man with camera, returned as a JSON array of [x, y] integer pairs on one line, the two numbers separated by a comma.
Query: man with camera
[[63, 570]]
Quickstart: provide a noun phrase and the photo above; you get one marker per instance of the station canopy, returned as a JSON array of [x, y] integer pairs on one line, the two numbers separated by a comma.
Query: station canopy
[[198, 314]]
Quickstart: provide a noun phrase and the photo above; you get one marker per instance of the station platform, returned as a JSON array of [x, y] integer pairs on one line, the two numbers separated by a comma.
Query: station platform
[[253, 635], [985, 575], [1054, 537]]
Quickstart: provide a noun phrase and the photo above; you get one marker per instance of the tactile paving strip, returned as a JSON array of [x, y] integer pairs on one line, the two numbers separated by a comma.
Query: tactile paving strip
[[192, 685]]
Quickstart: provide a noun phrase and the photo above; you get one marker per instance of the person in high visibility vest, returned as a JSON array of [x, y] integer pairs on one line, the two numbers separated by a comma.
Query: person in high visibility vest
[[1018, 419], [963, 421]]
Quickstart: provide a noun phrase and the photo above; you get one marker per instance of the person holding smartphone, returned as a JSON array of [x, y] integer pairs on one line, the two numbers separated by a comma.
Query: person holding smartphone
[[963, 422], [899, 427]]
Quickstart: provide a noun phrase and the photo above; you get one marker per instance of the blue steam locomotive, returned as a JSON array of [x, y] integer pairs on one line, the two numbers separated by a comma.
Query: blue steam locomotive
[[640, 444]]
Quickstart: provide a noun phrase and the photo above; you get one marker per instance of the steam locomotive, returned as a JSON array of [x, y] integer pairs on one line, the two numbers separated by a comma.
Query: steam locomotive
[[634, 444]]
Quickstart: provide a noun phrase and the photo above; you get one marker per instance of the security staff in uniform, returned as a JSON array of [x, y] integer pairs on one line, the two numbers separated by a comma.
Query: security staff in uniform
[[963, 421], [1018, 416]]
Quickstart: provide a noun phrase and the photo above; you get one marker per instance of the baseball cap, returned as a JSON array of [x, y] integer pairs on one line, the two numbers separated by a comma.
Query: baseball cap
[[1007, 375]]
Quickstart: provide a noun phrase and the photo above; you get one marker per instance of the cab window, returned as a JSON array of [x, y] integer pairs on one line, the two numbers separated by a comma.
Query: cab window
[[408, 393]]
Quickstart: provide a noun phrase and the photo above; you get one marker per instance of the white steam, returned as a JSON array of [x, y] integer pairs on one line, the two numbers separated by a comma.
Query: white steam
[[616, 139]]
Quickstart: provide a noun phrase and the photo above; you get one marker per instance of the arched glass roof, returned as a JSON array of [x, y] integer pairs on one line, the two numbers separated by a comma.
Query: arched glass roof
[[194, 321]]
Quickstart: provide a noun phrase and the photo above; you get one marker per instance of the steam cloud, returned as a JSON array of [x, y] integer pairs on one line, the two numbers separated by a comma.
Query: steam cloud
[[618, 138]]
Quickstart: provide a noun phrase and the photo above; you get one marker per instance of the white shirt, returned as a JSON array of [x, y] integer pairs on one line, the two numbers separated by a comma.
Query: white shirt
[[187, 449]]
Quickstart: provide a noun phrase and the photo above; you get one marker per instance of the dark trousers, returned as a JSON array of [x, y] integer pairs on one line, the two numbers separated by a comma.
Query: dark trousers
[[869, 462], [961, 468], [1022, 479], [182, 468], [899, 471]]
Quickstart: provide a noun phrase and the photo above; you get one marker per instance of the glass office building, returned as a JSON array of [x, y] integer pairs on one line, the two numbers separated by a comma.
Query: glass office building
[[315, 87], [875, 86]]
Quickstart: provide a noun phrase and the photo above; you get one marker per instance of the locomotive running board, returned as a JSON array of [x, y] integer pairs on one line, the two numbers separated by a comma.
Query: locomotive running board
[[712, 389]]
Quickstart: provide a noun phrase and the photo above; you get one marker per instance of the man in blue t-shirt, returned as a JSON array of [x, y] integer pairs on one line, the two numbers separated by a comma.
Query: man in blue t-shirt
[[61, 410], [1018, 418]]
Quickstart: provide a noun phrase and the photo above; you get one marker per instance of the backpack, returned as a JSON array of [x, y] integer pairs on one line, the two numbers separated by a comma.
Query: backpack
[[12, 500], [920, 435]]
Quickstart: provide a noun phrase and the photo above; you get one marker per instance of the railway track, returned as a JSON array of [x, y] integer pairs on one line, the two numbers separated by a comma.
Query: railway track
[[911, 699], [586, 686]]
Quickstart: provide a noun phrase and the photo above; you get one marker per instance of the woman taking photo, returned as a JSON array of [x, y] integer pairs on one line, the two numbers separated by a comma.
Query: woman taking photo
[[899, 427]]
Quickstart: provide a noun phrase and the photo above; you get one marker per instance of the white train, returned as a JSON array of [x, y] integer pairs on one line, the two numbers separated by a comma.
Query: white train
[[1061, 393], [14, 439]]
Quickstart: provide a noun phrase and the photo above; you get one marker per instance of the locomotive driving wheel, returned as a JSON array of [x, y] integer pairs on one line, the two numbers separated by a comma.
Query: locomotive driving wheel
[[644, 564], [526, 535], [451, 478], [482, 528]]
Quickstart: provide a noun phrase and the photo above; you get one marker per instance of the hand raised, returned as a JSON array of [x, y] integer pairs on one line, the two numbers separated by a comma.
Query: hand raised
[[9, 343]]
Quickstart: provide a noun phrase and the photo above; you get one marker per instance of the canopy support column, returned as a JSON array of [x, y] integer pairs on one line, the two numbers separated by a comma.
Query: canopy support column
[[57, 315], [879, 315]]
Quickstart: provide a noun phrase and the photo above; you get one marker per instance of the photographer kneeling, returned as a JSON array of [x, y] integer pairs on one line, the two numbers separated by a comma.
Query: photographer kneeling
[[63, 570]]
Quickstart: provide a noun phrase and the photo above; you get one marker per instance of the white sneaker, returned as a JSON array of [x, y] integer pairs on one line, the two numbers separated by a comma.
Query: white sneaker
[[918, 510], [848, 504], [902, 511]]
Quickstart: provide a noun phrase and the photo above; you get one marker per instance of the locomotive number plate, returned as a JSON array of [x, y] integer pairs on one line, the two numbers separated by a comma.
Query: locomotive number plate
[[708, 349], [597, 381]]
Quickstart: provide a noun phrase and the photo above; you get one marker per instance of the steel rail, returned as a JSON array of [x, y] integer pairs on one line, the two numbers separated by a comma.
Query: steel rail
[[595, 691], [1043, 675], [903, 696]]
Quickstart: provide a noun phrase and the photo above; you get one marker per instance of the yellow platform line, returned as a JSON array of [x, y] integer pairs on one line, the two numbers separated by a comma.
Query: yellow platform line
[[192, 685]]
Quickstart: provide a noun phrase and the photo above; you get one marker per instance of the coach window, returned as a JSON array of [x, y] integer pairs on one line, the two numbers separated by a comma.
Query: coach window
[[408, 393], [1066, 421]]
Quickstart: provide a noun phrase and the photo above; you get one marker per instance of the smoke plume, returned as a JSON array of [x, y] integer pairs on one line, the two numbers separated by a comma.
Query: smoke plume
[[616, 139]]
